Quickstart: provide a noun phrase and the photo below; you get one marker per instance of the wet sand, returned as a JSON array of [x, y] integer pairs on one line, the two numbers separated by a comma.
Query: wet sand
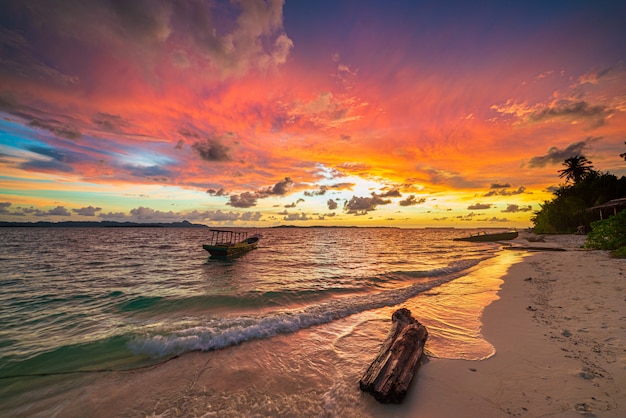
[[559, 329]]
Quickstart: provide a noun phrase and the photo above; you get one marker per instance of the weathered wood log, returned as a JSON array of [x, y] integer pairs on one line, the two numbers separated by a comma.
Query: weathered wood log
[[389, 376]]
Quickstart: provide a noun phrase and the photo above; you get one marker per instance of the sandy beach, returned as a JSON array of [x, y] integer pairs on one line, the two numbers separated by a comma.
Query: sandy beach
[[559, 329]]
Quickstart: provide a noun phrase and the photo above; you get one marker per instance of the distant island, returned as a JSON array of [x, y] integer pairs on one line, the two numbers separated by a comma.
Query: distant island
[[312, 226], [100, 224], [333, 226]]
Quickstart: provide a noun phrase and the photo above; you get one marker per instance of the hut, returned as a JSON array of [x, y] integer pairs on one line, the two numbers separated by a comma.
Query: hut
[[615, 204]]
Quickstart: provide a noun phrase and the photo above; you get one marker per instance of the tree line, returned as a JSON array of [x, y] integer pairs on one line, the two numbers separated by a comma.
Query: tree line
[[584, 187]]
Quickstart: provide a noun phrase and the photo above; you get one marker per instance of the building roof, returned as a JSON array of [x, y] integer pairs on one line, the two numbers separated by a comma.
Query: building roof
[[615, 203]]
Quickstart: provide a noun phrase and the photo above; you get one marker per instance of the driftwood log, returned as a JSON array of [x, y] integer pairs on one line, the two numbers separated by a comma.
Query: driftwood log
[[389, 376]]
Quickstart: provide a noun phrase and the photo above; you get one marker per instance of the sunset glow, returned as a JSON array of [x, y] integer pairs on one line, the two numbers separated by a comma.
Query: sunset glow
[[270, 112]]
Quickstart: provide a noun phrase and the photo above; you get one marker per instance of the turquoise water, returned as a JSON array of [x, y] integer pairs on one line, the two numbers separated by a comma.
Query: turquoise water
[[95, 299]]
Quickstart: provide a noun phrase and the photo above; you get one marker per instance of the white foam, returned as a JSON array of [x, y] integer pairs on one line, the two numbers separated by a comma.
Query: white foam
[[218, 333]]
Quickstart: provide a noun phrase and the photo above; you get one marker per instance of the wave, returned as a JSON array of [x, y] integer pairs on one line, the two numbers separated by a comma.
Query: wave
[[285, 297], [128, 346], [158, 305], [217, 333], [105, 354], [453, 267]]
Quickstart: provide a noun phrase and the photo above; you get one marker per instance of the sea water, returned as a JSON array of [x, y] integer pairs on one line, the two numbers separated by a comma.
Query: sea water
[[86, 303]]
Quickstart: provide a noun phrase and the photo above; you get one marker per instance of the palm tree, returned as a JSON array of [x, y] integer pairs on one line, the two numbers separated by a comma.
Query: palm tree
[[578, 167]]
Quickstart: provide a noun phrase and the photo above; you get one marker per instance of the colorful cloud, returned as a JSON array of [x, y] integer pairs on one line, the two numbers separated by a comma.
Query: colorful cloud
[[235, 112]]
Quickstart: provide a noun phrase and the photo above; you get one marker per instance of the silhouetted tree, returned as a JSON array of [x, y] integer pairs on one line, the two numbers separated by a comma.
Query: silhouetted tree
[[624, 154], [568, 209], [578, 167]]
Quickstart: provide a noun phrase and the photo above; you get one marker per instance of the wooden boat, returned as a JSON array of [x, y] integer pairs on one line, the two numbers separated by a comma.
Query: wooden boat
[[485, 237], [230, 243]]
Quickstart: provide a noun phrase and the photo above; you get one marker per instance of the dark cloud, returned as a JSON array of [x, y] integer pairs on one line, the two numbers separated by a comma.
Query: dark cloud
[[113, 216], [47, 166], [88, 211], [294, 204], [220, 192], [20, 57], [146, 19], [243, 200], [322, 191], [605, 75], [557, 156], [519, 190], [57, 128], [36, 118], [470, 216], [411, 200], [256, 39], [362, 205], [605, 72], [493, 220], [251, 216], [212, 150], [4, 207], [153, 172], [301, 216], [43, 40], [187, 133], [453, 179], [87, 22], [479, 206], [595, 115], [110, 123], [58, 211], [179, 144], [148, 214], [500, 186], [60, 156], [144, 214], [282, 187], [219, 216], [517, 208], [249, 199], [8, 103], [391, 193], [332, 205]]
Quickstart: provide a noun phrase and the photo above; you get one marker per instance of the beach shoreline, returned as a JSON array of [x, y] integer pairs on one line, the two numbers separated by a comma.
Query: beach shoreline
[[559, 330], [555, 319]]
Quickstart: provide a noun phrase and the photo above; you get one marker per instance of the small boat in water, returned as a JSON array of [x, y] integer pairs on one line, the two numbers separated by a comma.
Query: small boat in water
[[230, 243], [485, 237]]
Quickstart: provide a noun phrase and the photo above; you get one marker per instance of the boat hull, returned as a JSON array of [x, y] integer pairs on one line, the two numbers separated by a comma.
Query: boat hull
[[228, 251], [501, 236], [221, 244]]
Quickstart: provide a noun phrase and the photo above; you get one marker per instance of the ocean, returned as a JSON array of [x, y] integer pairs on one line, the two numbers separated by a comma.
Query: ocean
[[283, 330]]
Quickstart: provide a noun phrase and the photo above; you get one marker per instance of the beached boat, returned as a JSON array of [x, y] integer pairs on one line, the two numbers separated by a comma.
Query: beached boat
[[230, 243], [485, 237]]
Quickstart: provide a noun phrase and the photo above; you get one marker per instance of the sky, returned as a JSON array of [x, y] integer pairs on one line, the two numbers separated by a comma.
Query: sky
[[258, 113]]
